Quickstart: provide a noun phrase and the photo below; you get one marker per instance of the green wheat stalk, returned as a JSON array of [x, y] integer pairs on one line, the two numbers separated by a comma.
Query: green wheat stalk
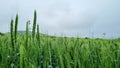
[[16, 26], [11, 32], [34, 25], [27, 32], [38, 35]]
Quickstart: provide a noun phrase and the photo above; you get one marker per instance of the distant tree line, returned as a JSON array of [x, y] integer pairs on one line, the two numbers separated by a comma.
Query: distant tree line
[[2, 34]]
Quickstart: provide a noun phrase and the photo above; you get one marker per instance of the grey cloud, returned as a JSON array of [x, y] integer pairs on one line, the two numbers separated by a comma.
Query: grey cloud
[[65, 16]]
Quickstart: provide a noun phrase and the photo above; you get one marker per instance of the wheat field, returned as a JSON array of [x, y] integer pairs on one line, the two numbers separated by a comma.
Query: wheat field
[[35, 50]]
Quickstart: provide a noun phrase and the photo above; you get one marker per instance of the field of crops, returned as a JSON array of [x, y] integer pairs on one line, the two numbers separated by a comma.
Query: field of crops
[[33, 50]]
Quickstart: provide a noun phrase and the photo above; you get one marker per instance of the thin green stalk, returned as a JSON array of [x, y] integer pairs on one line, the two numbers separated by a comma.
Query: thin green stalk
[[12, 35], [34, 25], [27, 32], [16, 26], [38, 35]]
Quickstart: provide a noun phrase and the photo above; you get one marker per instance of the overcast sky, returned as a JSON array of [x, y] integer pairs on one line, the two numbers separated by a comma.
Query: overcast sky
[[65, 17]]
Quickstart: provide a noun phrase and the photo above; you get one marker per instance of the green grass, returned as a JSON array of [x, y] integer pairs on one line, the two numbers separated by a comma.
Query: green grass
[[33, 50]]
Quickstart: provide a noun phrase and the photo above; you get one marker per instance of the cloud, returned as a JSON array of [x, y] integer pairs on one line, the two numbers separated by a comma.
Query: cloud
[[65, 16]]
